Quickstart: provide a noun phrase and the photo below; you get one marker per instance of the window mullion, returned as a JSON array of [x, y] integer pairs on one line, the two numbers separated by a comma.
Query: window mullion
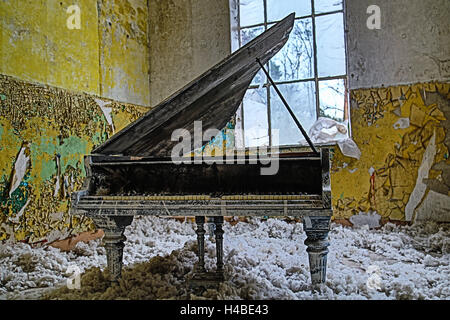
[[239, 22], [240, 45], [315, 77], [265, 14], [253, 26], [269, 121], [328, 13], [316, 73]]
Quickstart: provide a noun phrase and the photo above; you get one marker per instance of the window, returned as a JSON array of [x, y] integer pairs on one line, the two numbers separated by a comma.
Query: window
[[310, 70]]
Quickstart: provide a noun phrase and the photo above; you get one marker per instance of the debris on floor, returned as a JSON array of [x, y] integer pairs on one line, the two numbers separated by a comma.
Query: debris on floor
[[264, 259]]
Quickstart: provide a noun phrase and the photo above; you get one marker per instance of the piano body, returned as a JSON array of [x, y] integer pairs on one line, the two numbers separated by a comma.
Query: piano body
[[133, 173]]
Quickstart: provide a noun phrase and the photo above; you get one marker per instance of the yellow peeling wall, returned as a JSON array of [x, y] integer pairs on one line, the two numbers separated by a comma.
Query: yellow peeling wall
[[404, 171], [55, 128], [107, 56], [50, 78], [37, 45]]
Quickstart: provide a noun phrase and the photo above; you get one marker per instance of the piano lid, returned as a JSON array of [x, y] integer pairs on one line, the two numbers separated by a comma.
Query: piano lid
[[212, 98]]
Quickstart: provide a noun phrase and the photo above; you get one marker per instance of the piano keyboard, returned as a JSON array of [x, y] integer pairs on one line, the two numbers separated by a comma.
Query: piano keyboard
[[206, 205], [203, 197]]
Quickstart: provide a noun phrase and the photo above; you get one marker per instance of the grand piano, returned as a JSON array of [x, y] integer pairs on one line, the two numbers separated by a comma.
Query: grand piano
[[134, 172]]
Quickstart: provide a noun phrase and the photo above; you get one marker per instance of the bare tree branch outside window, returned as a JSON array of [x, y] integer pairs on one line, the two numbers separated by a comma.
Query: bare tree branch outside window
[[309, 70]]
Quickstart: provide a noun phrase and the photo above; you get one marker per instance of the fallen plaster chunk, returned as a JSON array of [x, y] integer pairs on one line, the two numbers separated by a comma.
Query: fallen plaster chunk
[[106, 112], [420, 189], [402, 123], [370, 219], [20, 168]]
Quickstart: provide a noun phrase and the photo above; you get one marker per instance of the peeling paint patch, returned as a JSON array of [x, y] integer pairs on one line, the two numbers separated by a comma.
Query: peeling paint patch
[[16, 218], [106, 112], [59, 128], [402, 123], [20, 168], [393, 157], [420, 188]]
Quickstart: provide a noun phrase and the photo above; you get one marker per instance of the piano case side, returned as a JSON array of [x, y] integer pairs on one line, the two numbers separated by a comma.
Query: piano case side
[[326, 179], [86, 187]]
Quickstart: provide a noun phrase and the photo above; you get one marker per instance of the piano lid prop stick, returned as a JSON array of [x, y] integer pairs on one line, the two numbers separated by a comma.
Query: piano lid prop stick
[[288, 108]]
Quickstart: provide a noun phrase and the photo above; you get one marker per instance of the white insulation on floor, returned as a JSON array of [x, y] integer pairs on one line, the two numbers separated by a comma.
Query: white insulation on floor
[[264, 259]]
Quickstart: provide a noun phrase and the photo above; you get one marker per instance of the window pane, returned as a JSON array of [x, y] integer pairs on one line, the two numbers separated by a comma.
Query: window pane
[[322, 6], [256, 125], [251, 12], [278, 9], [247, 35], [301, 98], [296, 60], [330, 45], [332, 99]]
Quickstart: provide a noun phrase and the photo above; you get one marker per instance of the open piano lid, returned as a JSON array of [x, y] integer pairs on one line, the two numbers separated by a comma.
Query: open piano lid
[[212, 98]]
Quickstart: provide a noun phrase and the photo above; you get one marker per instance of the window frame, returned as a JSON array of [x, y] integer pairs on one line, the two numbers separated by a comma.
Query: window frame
[[236, 43]]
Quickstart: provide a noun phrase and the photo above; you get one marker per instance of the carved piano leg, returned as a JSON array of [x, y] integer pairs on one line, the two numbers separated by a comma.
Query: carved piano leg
[[201, 279], [218, 221], [113, 227], [200, 221], [316, 229]]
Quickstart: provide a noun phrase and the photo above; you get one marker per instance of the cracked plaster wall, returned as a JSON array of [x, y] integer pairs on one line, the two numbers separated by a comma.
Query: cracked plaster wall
[[384, 179]]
